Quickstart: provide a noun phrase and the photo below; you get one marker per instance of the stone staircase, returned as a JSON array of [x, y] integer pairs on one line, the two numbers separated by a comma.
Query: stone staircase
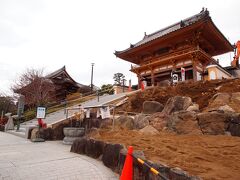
[[60, 115]]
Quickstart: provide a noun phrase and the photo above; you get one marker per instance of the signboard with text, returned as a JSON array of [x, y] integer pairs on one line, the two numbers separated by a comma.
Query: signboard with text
[[41, 112]]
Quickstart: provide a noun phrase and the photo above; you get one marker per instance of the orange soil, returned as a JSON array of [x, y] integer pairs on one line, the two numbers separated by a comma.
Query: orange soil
[[201, 93], [209, 157]]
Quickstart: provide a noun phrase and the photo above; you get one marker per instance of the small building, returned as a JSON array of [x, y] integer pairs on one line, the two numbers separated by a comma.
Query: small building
[[120, 89], [189, 44]]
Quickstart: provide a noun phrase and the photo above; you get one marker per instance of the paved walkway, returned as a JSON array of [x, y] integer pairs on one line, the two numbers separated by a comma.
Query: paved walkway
[[20, 159], [60, 114]]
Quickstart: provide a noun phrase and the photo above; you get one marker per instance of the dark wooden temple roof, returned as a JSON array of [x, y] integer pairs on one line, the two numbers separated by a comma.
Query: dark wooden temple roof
[[202, 17], [62, 72]]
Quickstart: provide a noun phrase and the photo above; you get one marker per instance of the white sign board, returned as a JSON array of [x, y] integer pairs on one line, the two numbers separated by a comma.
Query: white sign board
[[175, 78], [41, 112]]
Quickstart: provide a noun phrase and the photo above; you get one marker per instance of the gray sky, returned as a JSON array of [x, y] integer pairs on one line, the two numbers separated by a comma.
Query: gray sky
[[52, 33]]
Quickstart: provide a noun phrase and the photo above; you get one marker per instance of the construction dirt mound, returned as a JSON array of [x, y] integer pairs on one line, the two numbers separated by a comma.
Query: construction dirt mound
[[201, 93], [209, 157]]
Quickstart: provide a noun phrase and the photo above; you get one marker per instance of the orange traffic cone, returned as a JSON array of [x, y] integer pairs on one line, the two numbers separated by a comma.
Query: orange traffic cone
[[127, 171]]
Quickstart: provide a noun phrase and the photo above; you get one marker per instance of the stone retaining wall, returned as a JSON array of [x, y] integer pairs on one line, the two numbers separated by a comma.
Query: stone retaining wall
[[113, 156]]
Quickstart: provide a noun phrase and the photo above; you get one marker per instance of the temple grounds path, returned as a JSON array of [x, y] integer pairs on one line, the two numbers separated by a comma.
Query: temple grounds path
[[22, 159]]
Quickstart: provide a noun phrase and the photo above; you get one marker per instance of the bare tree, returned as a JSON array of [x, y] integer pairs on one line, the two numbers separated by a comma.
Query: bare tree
[[37, 89]]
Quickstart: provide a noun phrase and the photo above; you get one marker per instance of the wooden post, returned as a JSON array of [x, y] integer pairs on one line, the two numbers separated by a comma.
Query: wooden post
[[152, 77], [194, 69], [139, 81]]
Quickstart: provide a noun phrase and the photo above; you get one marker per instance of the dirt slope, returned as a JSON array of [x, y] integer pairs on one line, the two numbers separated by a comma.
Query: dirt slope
[[201, 92], [210, 157]]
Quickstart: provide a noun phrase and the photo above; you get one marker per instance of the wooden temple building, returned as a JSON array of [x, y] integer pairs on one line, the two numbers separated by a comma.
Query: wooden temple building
[[64, 84], [189, 44]]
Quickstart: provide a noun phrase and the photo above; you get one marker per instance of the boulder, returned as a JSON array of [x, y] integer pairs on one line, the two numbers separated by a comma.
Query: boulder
[[159, 120], [234, 129], [194, 107], [44, 133], [234, 126], [221, 98], [177, 103], [235, 101], [217, 101], [110, 156], [79, 146], [227, 102], [150, 107], [226, 108], [213, 123], [177, 173], [184, 122], [149, 130], [94, 148], [34, 133], [236, 97], [140, 121], [9, 125], [124, 121]]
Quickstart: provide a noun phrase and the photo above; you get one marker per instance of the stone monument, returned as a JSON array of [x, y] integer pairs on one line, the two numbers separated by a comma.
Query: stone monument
[[10, 124]]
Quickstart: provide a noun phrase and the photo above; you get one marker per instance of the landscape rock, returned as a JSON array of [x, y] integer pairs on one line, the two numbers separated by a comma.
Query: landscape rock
[[236, 97], [150, 107], [34, 133], [177, 103], [79, 145], [220, 99], [177, 173], [124, 122], [234, 129], [184, 122], [194, 107], [149, 130], [226, 108], [213, 123], [110, 156], [46, 133], [9, 125], [140, 121], [234, 125], [94, 148], [159, 120]]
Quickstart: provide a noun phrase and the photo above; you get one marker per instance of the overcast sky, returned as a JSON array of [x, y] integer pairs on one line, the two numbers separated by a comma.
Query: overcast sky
[[52, 33]]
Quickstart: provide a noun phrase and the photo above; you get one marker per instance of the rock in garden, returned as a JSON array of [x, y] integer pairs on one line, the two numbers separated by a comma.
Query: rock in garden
[[177, 103], [140, 121], [184, 122], [213, 123], [150, 107]]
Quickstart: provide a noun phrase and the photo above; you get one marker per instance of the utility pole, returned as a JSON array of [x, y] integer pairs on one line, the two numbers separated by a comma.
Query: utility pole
[[92, 77]]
